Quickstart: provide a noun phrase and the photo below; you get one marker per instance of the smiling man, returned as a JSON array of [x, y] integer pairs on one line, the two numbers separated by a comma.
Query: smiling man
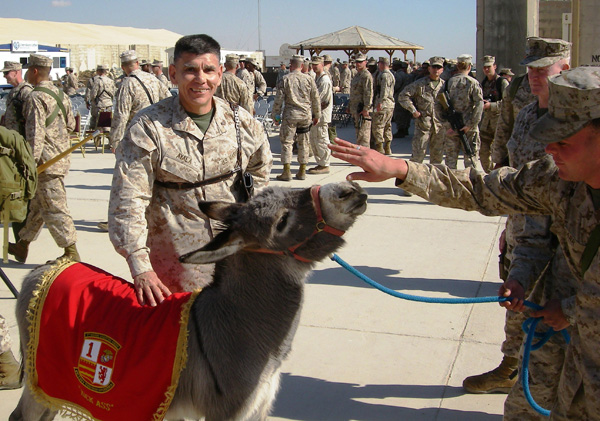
[[165, 162]]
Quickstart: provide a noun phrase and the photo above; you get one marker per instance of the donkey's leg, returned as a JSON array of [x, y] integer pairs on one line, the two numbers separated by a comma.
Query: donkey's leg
[[29, 409]]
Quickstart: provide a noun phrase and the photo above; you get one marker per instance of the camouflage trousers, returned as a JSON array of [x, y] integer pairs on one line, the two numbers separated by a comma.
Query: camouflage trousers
[[423, 137], [485, 151], [319, 139], [286, 137], [363, 130], [4, 336], [453, 147], [49, 206], [382, 126]]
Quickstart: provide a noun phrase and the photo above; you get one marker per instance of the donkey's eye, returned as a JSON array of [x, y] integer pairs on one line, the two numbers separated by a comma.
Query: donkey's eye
[[281, 224]]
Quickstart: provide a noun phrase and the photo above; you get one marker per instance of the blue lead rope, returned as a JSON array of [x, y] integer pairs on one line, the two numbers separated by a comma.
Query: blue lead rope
[[528, 326]]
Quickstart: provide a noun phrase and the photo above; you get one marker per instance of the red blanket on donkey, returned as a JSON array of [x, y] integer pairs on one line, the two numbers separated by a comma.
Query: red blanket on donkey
[[95, 353]]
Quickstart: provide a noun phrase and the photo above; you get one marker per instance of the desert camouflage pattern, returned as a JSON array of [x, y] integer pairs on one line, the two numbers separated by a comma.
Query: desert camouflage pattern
[[131, 98], [15, 103], [335, 75], [466, 97], [537, 189], [260, 84], [345, 79], [4, 336], [302, 103], [381, 125], [401, 116], [71, 84], [319, 136], [421, 96], [164, 80], [247, 78], [489, 121], [235, 92], [361, 97], [99, 95], [151, 225], [509, 110]]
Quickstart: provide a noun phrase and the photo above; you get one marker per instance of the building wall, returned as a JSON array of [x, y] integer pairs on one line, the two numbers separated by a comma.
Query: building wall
[[586, 32], [551, 17]]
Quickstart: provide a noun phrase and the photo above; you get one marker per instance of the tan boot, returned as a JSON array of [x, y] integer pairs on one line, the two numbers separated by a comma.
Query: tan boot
[[10, 371], [301, 174], [286, 175], [20, 249], [499, 380], [387, 148], [319, 169], [71, 253]]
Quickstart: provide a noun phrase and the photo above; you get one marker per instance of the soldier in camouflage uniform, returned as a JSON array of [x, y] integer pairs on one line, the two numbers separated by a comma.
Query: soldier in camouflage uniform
[[48, 120], [565, 186], [157, 67], [71, 83], [232, 89], [319, 138], [465, 95], [493, 88], [302, 109], [332, 71], [137, 91], [246, 77], [165, 162], [401, 116], [10, 370], [14, 118], [99, 94], [345, 78], [383, 105], [419, 99], [361, 100], [258, 85], [529, 248]]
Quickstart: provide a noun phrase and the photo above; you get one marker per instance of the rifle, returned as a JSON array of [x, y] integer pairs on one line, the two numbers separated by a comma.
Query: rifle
[[43, 167], [456, 122]]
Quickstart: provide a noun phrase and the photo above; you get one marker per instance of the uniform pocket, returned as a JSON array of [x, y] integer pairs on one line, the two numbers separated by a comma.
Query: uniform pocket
[[177, 171]]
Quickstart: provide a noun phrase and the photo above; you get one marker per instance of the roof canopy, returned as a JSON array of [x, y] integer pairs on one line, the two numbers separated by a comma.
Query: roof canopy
[[356, 39]]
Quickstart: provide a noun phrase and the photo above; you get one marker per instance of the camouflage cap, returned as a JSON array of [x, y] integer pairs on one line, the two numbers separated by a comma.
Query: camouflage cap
[[360, 57], [506, 71], [128, 55], [297, 58], [489, 60], [102, 67], [327, 57], [11, 65], [436, 61], [543, 52], [384, 60], [425, 63], [232, 58], [317, 60], [574, 101], [464, 58], [38, 60], [251, 60], [371, 62], [157, 63]]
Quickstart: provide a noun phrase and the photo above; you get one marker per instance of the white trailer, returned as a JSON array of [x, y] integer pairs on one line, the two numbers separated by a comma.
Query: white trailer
[[19, 51]]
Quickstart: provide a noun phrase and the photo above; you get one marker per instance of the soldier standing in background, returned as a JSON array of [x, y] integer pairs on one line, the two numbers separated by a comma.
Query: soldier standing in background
[[419, 100], [232, 89], [465, 96], [332, 71], [14, 118], [401, 116], [259, 85], [361, 100], [383, 105], [157, 67], [71, 84], [138, 90], [281, 73], [145, 66], [48, 119], [302, 108], [345, 78], [506, 73], [493, 89], [319, 138], [99, 95]]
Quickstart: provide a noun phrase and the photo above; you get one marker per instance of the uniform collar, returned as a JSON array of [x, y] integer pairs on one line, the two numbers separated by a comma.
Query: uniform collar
[[182, 122]]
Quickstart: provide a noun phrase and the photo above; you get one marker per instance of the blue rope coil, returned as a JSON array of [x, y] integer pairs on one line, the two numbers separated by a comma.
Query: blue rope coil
[[529, 325]]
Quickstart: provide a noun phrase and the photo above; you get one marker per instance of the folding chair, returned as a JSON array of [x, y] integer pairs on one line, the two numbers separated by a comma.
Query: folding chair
[[80, 123], [104, 122]]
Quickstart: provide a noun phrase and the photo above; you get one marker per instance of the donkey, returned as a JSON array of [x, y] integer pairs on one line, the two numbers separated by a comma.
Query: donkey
[[241, 326]]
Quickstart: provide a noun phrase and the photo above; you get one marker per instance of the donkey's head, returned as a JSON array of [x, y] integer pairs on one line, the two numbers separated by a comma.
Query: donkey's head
[[305, 224]]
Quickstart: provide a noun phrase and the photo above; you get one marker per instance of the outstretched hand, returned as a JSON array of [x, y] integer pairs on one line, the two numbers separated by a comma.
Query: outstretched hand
[[149, 289], [377, 167], [513, 289]]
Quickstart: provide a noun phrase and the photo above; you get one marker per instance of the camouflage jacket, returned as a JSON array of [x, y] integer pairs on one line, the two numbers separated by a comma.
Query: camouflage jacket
[[536, 189], [71, 84], [512, 103], [247, 78], [385, 92], [131, 98], [260, 85], [325, 88], [100, 92], [345, 79], [361, 92], [165, 81], [48, 141], [152, 225], [14, 118], [234, 91], [466, 97], [299, 92], [421, 96], [489, 89]]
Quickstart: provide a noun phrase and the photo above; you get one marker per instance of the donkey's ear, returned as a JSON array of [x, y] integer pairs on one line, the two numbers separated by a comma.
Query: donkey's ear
[[219, 211], [223, 245]]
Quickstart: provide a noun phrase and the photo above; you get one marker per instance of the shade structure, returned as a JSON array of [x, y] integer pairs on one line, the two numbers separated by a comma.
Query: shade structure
[[356, 39]]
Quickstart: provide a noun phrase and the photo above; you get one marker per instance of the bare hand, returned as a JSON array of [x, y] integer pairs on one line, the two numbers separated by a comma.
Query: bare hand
[[553, 315], [315, 121], [512, 288], [486, 105], [416, 114], [465, 129], [377, 167], [365, 113], [149, 289]]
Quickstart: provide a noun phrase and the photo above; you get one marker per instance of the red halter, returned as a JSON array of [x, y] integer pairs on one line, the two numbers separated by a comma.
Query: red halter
[[321, 225]]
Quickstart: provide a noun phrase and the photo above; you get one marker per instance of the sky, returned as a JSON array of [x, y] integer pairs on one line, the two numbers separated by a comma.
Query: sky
[[443, 28]]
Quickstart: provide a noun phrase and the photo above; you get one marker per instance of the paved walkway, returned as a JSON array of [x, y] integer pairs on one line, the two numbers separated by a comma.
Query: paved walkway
[[359, 354]]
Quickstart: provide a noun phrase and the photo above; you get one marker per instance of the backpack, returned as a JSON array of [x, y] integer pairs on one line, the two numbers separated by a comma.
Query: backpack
[[18, 175]]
